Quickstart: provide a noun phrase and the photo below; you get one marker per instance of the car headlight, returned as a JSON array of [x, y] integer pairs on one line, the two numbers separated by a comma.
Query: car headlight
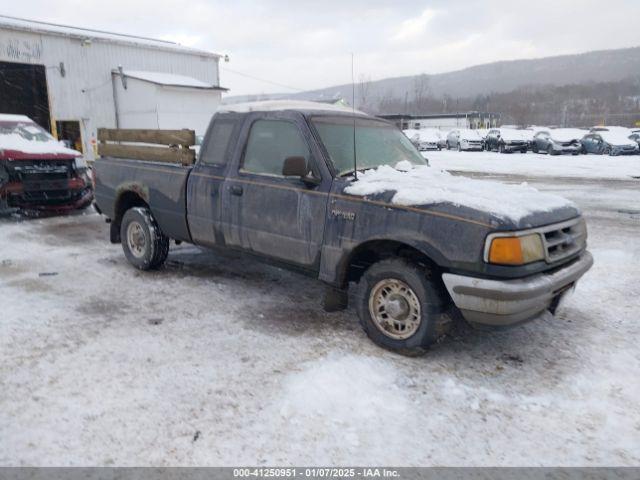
[[515, 250]]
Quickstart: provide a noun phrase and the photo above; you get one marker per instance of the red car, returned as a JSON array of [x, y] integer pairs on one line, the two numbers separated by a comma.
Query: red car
[[37, 172]]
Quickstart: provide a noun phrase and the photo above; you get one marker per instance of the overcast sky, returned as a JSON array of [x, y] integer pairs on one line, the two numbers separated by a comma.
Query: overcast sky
[[307, 44]]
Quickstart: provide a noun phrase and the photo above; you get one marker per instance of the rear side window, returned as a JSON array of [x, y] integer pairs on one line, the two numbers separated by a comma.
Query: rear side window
[[216, 149], [269, 143]]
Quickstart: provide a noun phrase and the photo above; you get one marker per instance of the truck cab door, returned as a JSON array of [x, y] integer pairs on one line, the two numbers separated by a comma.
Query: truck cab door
[[267, 213], [204, 196]]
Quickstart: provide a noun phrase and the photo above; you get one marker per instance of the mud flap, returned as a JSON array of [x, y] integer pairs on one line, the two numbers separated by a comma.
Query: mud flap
[[335, 299]]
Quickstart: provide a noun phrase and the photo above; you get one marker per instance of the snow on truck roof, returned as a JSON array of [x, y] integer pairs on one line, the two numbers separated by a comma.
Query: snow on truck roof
[[275, 105], [28, 25]]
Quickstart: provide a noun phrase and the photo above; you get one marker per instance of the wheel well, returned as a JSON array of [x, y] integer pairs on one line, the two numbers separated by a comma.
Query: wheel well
[[125, 201], [372, 252]]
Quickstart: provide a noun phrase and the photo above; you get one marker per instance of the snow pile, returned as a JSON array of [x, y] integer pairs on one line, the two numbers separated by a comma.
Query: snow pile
[[343, 389], [536, 165], [346, 400], [18, 143], [425, 185]]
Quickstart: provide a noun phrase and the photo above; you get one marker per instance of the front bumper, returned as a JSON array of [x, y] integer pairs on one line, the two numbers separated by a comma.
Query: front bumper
[[515, 147], [571, 149], [507, 302], [471, 147]]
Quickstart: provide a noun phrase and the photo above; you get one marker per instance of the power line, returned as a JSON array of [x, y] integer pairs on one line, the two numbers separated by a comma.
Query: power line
[[263, 80]]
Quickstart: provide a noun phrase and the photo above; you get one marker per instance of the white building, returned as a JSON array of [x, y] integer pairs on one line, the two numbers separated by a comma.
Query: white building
[[445, 121], [73, 81]]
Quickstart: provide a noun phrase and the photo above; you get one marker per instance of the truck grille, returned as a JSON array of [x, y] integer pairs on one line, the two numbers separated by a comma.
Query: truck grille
[[564, 239]]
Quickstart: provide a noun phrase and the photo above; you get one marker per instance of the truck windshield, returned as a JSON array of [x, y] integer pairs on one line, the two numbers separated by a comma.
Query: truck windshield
[[377, 143]]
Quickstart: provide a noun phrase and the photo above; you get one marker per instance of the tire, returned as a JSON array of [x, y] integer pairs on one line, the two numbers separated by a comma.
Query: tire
[[143, 243], [425, 299]]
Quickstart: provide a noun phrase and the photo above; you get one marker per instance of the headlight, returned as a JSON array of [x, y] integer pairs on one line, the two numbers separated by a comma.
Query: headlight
[[515, 250]]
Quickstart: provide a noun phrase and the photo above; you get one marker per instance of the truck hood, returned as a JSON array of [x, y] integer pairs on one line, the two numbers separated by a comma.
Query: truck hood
[[502, 206]]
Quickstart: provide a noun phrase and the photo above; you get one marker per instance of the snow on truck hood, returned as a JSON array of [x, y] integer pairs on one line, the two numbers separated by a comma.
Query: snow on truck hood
[[423, 185]]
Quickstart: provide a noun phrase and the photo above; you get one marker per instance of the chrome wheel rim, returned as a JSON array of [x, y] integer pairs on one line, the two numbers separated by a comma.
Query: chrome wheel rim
[[395, 309], [136, 240]]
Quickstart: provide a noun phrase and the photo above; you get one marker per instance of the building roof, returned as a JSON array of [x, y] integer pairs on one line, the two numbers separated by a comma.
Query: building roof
[[169, 79], [398, 116], [36, 26], [275, 105]]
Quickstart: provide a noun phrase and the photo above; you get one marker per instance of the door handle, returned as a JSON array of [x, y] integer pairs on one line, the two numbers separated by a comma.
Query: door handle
[[236, 190]]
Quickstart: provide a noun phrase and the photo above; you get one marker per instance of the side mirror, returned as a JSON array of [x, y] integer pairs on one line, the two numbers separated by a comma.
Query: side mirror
[[297, 167]]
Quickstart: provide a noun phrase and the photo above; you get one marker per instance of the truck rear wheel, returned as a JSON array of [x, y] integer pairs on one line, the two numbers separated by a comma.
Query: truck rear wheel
[[401, 308], [144, 244]]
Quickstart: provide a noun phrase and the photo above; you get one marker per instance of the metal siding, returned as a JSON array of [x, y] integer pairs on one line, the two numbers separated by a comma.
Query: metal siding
[[86, 92]]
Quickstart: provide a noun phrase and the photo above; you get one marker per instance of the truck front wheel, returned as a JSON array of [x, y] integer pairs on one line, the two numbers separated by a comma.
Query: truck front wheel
[[400, 307], [144, 244]]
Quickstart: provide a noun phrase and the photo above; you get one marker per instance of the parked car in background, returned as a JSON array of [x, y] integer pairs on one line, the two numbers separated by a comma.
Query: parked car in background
[[426, 138], [506, 140], [464, 139], [37, 172], [482, 132], [612, 128], [558, 141], [609, 143]]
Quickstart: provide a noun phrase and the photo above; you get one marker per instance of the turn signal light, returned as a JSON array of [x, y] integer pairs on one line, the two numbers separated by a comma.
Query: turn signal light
[[516, 250], [506, 251]]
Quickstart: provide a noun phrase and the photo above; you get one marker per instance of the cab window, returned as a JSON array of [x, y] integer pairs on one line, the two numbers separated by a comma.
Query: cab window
[[216, 151], [269, 143]]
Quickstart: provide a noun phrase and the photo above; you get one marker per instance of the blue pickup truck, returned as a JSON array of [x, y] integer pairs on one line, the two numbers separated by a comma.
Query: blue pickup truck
[[346, 198]]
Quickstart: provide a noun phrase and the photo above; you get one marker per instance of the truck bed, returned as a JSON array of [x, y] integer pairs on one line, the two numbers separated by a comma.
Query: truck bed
[[163, 186]]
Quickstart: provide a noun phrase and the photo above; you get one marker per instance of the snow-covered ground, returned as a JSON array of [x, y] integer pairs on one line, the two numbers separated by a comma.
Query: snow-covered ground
[[538, 164], [223, 361]]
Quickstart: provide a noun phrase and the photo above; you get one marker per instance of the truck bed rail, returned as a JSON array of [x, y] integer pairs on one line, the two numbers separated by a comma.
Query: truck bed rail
[[175, 145]]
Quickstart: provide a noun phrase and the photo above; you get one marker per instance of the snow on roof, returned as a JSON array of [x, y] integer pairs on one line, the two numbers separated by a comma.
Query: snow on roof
[[423, 185], [515, 134], [9, 117], [24, 24], [169, 79], [616, 137], [274, 105], [566, 134], [424, 134]]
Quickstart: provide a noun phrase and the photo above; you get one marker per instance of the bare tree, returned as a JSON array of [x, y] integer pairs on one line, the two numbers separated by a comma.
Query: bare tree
[[420, 92], [364, 88]]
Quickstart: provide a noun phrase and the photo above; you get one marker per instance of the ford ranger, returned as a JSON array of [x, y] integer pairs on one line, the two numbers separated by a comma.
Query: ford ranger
[[346, 198]]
